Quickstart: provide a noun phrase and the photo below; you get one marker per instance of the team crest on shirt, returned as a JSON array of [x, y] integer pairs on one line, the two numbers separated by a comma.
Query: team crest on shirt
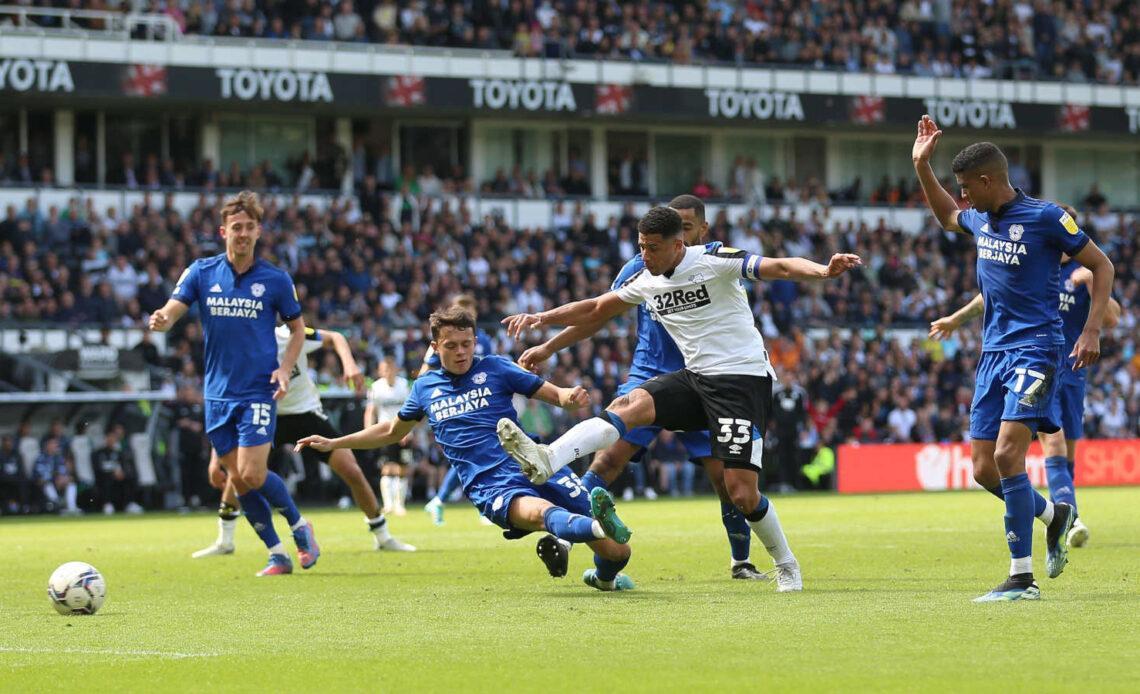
[[479, 378], [1069, 286], [1015, 232], [257, 289]]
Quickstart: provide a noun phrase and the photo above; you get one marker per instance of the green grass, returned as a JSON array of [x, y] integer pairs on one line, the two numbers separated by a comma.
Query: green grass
[[888, 579]]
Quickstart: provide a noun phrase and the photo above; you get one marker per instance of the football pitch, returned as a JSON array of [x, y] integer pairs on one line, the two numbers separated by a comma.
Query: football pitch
[[887, 606]]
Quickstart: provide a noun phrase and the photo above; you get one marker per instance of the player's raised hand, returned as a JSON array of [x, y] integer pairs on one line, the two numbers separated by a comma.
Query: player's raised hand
[[281, 378], [841, 263], [318, 443], [533, 359], [943, 328], [159, 321], [1087, 349], [520, 322], [926, 140], [573, 398]]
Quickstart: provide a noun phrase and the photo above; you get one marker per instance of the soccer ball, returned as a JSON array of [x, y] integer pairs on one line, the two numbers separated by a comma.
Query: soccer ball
[[76, 588]]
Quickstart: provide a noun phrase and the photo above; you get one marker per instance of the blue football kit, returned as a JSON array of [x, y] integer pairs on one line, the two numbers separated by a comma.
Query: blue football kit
[[239, 313], [1075, 303], [1023, 343], [463, 411]]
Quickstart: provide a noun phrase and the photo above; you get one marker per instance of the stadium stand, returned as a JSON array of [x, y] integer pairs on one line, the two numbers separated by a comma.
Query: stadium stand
[[1067, 41]]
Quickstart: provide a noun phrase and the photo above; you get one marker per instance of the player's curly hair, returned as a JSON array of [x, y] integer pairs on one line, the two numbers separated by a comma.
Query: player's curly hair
[[451, 317], [245, 201], [980, 156], [663, 221]]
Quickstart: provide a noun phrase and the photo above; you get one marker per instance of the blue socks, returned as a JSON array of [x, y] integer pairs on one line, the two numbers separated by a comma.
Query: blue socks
[[1019, 515], [449, 485], [759, 512], [260, 516], [1038, 500], [275, 492], [608, 569], [1060, 480], [739, 532], [591, 479], [569, 526]]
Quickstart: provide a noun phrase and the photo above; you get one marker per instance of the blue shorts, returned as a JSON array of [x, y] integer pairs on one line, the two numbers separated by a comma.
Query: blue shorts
[[1071, 393], [697, 443], [1017, 385], [493, 491], [232, 424]]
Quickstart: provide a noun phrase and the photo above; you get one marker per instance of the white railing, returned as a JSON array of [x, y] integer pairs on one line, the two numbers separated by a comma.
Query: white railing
[[31, 41], [124, 25]]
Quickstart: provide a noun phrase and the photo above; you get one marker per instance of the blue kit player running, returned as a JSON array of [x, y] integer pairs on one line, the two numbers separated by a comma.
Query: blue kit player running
[[431, 361], [1061, 447], [656, 354], [1020, 241], [462, 402], [240, 299]]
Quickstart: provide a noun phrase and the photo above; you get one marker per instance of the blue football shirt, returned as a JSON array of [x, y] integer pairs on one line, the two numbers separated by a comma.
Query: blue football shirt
[[1075, 304], [1019, 259], [239, 314], [482, 349], [463, 411], [656, 353]]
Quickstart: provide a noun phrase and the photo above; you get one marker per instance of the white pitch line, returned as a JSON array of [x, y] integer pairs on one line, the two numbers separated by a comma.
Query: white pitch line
[[106, 651]]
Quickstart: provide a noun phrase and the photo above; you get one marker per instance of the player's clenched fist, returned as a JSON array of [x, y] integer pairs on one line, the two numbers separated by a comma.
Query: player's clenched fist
[[159, 322], [573, 398], [841, 263]]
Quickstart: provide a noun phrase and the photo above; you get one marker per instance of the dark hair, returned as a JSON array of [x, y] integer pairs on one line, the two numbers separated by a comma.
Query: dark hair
[[245, 201], [450, 317], [980, 156], [689, 202], [663, 221]]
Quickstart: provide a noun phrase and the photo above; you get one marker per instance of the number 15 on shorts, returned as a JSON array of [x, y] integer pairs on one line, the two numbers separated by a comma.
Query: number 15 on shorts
[[261, 414]]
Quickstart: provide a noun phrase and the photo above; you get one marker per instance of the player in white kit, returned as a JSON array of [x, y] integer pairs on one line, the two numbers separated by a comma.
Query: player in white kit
[[385, 398], [726, 385], [300, 414]]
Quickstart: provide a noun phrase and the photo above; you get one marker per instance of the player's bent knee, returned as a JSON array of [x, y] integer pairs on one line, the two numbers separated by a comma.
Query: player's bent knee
[[345, 466]]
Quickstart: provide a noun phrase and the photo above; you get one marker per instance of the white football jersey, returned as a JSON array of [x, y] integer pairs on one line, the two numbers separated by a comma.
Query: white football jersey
[[302, 395], [704, 308], [388, 399]]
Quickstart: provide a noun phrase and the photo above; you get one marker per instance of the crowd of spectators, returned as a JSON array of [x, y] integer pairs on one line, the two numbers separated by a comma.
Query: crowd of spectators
[[376, 265], [1070, 40]]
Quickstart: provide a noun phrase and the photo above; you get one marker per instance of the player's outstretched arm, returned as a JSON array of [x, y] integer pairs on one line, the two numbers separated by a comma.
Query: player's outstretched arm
[[536, 356], [588, 311], [804, 269], [1087, 348], [944, 327], [164, 318], [940, 202], [566, 398], [375, 436], [1084, 276], [351, 372]]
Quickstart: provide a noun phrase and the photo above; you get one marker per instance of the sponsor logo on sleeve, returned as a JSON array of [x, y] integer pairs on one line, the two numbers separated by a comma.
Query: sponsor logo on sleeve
[[1069, 223]]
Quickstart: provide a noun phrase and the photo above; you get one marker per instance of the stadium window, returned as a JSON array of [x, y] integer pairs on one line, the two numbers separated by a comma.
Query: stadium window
[[865, 164], [86, 143], [134, 148], [283, 146], [627, 160], [9, 143], [41, 144], [1115, 172], [680, 165], [442, 147]]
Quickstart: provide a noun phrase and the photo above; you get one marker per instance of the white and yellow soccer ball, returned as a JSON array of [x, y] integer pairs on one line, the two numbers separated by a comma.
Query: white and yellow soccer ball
[[77, 588]]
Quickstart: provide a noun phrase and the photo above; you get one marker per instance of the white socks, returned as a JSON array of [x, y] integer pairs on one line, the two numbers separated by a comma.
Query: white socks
[[299, 524], [72, 491], [597, 530], [771, 534], [226, 531], [388, 491], [380, 531], [1021, 565], [584, 438], [401, 492], [1046, 516], [278, 549]]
